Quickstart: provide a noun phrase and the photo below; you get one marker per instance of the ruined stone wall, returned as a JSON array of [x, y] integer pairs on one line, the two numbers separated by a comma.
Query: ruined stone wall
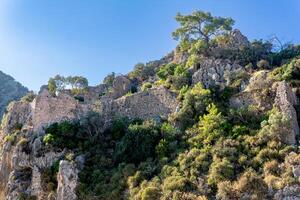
[[151, 104], [49, 109]]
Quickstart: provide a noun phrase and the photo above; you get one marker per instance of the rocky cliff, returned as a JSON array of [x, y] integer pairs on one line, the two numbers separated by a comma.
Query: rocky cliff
[[36, 162], [10, 90], [24, 157]]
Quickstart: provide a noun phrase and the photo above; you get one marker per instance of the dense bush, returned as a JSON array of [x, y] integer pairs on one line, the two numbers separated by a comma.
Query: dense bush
[[194, 104], [142, 72], [289, 71], [174, 76], [78, 84], [146, 86], [109, 79], [138, 143]]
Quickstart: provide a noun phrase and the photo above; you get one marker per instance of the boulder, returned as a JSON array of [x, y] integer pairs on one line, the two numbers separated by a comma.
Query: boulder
[[121, 86], [238, 40], [67, 178], [288, 193], [284, 102]]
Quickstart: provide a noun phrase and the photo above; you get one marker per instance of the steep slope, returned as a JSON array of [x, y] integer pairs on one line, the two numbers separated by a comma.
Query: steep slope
[[10, 90], [212, 120]]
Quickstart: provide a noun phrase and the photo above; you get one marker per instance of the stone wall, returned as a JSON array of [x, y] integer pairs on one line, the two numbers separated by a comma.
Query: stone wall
[[49, 109], [151, 104]]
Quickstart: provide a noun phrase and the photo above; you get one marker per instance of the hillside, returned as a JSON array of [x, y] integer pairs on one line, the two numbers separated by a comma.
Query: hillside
[[10, 90], [217, 118]]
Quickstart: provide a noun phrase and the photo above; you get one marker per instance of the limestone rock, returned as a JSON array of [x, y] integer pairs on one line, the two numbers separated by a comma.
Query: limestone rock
[[19, 114], [238, 40], [234, 41], [212, 72], [36, 146], [288, 193], [258, 93], [121, 86], [67, 178], [285, 101], [259, 80], [293, 161], [179, 56]]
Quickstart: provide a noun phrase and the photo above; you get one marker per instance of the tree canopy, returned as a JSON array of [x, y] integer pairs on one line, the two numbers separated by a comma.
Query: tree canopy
[[59, 83], [201, 26]]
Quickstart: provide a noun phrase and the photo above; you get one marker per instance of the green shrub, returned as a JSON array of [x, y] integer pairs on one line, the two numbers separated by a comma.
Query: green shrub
[[49, 177], [138, 143], [28, 97], [150, 193], [12, 138], [173, 183], [24, 196], [220, 170], [209, 128], [49, 139], [194, 105], [146, 86], [142, 72], [65, 135], [288, 71], [165, 71]]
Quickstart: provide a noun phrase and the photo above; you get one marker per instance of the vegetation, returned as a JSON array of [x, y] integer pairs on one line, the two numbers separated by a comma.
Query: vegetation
[[142, 72], [109, 79], [77, 84], [204, 150], [199, 28], [289, 71], [220, 154]]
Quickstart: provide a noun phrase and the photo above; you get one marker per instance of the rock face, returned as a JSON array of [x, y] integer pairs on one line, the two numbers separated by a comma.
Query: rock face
[[19, 113], [67, 178], [179, 56], [258, 93], [24, 158], [238, 40], [121, 86], [285, 101], [212, 72], [10, 90], [264, 94], [288, 193]]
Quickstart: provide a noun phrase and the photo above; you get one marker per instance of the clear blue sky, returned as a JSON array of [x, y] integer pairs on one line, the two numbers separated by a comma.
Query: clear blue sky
[[42, 38]]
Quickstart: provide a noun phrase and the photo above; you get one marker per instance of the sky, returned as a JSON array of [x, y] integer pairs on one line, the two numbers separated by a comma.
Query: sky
[[42, 38]]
